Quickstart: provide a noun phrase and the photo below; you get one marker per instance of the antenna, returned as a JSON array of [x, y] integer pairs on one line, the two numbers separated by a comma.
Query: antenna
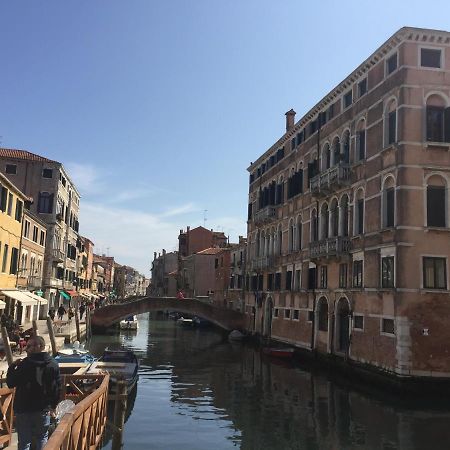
[[204, 217]]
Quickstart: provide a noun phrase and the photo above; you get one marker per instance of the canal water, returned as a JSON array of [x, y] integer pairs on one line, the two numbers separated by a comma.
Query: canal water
[[197, 391]]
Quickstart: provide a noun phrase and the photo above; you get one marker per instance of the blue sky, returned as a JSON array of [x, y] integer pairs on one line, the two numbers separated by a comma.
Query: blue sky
[[157, 108]]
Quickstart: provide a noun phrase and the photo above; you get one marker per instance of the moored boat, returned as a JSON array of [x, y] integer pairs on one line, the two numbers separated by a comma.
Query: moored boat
[[285, 353], [130, 323], [185, 322], [121, 365]]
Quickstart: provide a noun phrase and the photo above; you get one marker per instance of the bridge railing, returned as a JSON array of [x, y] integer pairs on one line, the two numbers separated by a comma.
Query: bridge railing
[[82, 428]]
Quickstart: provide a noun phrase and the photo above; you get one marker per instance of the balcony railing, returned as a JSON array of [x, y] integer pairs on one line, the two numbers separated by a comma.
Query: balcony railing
[[326, 182], [58, 255], [266, 214], [34, 282], [263, 262], [334, 246]]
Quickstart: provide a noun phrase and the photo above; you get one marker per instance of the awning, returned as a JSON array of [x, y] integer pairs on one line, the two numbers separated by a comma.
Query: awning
[[72, 293], [20, 296], [64, 295], [40, 300]]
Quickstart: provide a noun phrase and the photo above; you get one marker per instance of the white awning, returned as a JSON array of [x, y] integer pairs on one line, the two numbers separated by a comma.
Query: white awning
[[2, 305], [38, 298], [20, 297]]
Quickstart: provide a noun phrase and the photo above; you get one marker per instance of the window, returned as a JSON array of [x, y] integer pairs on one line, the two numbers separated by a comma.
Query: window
[[42, 238], [26, 229], [45, 203], [270, 282], [388, 202], [343, 270], [35, 233], [330, 112], [275, 312], [437, 119], [3, 199], [430, 57], [5, 257], [359, 216], [11, 169], [298, 279], [289, 280], [362, 87], [348, 99], [296, 314], [387, 326], [434, 273], [323, 315], [323, 277], [310, 316], [436, 206], [387, 272], [278, 281], [10, 203], [287, 313], [391, 64], [19, 209], [361, 141], [391, 123], [312, 278], [358, 322], [14, 260], [357, 274], [47, 173]]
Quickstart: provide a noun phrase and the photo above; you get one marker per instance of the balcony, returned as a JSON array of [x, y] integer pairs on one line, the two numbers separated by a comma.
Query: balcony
[[58, 255], [326, 182], [265, 215], [34, 282], [263, 262], [335, 246]]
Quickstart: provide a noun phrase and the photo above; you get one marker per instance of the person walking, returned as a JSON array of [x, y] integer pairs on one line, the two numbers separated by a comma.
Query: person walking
[[38, 386], [61, 311], [70, 313], [51, 313], [82, 310]]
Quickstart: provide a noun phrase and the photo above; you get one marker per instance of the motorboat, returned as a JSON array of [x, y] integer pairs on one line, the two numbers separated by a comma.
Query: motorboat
[[130, 323], [185, 322], [75, 354], [285, 353], [121, 365]]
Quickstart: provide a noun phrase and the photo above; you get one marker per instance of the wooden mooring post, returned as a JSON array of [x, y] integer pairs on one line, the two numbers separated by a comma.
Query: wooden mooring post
[[77, 325], [120, 408], [35, 328], [8, 352], [51, 335]]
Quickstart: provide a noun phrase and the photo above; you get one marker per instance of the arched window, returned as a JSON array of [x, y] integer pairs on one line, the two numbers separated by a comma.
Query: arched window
[[257, 244], [299, 233], [326, 157], [343, 216], [437, 119], [336, 151], [324, 217], [359, 212], [314, 226], [323, 314], [390, 123], [23, 264], [291, 236], [346, 147], [272, 241], [262, 244], [361, 140], [279, 194], [436, 202], [334, 218], [388, 203]]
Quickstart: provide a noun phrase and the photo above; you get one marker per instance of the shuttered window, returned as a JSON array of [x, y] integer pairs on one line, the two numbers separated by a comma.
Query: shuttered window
[[436, 206]]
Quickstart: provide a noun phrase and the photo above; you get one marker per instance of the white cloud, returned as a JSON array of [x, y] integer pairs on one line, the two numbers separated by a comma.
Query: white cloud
[[189, 207]]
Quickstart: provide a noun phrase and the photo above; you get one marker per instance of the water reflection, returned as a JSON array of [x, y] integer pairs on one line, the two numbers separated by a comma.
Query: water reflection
[[197, 391]]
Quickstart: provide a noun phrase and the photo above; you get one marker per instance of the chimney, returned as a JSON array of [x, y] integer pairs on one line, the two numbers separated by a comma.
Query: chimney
[[290, 119]]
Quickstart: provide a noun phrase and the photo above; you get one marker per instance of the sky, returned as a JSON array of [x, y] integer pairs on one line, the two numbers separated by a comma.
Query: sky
[[157, 108]]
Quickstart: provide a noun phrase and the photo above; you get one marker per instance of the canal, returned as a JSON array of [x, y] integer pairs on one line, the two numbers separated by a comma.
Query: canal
[[197, 391]]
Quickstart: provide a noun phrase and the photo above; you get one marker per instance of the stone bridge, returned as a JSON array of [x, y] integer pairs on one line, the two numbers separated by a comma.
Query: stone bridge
[[227, 319]]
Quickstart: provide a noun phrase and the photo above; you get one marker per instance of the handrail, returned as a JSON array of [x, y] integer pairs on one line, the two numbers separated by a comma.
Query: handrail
[[6, 410], [83, 427]]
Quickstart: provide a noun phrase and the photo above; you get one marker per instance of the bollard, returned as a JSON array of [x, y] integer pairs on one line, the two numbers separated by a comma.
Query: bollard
[[35, 328], [119, 415], [77, 325], [51, 334], [8, 352]]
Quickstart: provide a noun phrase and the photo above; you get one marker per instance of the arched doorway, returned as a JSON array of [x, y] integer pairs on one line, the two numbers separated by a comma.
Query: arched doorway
[[267, 318], [343, 325]]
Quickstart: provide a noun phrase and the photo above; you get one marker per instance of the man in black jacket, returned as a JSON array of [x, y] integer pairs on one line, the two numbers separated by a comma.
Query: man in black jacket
[[38, 385]]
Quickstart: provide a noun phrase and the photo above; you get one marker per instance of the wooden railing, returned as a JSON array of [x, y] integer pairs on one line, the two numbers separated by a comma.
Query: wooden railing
[[6, 410], [82, 428]]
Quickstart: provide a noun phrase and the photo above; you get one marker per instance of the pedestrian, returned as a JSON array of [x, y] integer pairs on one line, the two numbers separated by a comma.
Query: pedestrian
[[61, 311], [70, 313], [38, 385], [180, 295], [51, 313], [82, 310]]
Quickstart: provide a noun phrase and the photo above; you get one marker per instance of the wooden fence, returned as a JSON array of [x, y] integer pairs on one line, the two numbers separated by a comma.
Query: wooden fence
[[6, 419], [82, 428]]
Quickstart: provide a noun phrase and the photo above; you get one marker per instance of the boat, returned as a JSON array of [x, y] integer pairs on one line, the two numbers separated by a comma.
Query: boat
[[285, 353], [121, 365], [130, 323]]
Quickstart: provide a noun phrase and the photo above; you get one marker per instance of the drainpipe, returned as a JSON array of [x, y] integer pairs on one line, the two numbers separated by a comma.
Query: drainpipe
[[20, 246]]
